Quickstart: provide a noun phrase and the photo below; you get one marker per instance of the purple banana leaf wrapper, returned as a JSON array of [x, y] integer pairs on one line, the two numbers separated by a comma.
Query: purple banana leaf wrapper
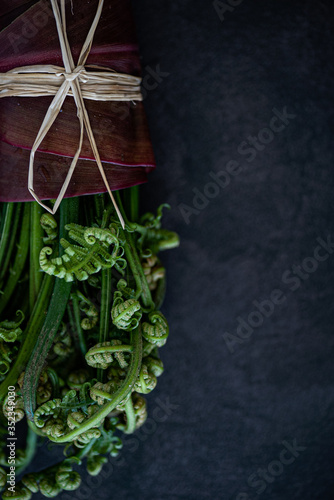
[[29, 37]]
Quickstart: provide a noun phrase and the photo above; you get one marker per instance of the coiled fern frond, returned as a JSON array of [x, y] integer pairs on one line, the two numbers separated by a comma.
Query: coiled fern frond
[[9, 330], [88, 256], [125, 314]]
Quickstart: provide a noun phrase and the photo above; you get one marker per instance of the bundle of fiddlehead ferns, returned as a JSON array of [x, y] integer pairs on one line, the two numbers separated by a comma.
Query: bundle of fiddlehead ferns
[[80, 328]]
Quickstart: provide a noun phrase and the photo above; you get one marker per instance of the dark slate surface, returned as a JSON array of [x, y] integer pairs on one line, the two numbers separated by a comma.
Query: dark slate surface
[[235, 415]]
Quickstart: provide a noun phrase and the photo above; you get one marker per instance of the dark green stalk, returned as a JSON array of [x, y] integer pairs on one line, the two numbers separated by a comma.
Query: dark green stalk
[[8, 241], [134, 262], [98, 201], [44, 341], [160, 293], [137, 271], [6, 230], [76, 323], [89, 207], [106, 299], [54, 381], [30, 335], [30, 450], [131, 202], [68, 213], [130, 418], [36, 245], [20, 259]]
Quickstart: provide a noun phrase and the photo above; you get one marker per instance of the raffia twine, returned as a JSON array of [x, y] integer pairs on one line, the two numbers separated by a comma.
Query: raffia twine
[[49, 80]]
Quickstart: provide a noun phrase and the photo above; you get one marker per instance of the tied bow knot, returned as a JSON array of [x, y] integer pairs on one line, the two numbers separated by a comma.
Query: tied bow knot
[[70, 77]]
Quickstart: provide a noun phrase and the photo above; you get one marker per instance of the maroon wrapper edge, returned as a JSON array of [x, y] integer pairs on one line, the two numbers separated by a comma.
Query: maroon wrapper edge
[[120, 128]]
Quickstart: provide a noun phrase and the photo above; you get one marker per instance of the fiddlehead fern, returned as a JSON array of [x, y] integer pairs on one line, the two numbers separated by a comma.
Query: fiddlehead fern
[[51, 408], [99, 357], [69, 400], [56, 417], [156, 331], [19, 459], [20, 493], [150, 220], [140, 409], [6, 357], [94, 281], [49, 224], [153, 270], [125, 314], [3, 477], [127, 292], [44, 387], [135, 414], [154, 365], [102, 355], [109, 443], [74, 419], [116, 445], [152, 237], [9, 330], [119, 354], [81, 261], [91, 312], [30, 482], [77, 378], [116, 374], [63, 342], [161, 239], [101, 392], [54, 428], [67, 478], [86, 437], [95, 464], [49, 487], [49, 482], [94, 404], [17, 408], [147, 379]]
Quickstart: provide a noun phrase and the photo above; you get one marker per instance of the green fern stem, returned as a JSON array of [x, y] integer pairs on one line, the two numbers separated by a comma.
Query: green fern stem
[[20, 259], [77, 324], [30, 335], [30, 450], [6, 232], [12, 218], [132, 257], [131, 202], [36, 245], [106, 300], [130, 417], [43, 342]]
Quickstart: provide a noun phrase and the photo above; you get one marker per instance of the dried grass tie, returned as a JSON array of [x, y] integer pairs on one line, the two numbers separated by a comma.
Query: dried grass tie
[[46, 80]]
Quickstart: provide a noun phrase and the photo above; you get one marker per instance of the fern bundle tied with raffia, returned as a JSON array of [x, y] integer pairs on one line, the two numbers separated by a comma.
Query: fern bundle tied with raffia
[[80, 288], [80, 331]]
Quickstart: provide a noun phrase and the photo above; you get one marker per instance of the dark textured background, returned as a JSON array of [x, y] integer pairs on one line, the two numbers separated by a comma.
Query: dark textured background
[[232, 411]]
